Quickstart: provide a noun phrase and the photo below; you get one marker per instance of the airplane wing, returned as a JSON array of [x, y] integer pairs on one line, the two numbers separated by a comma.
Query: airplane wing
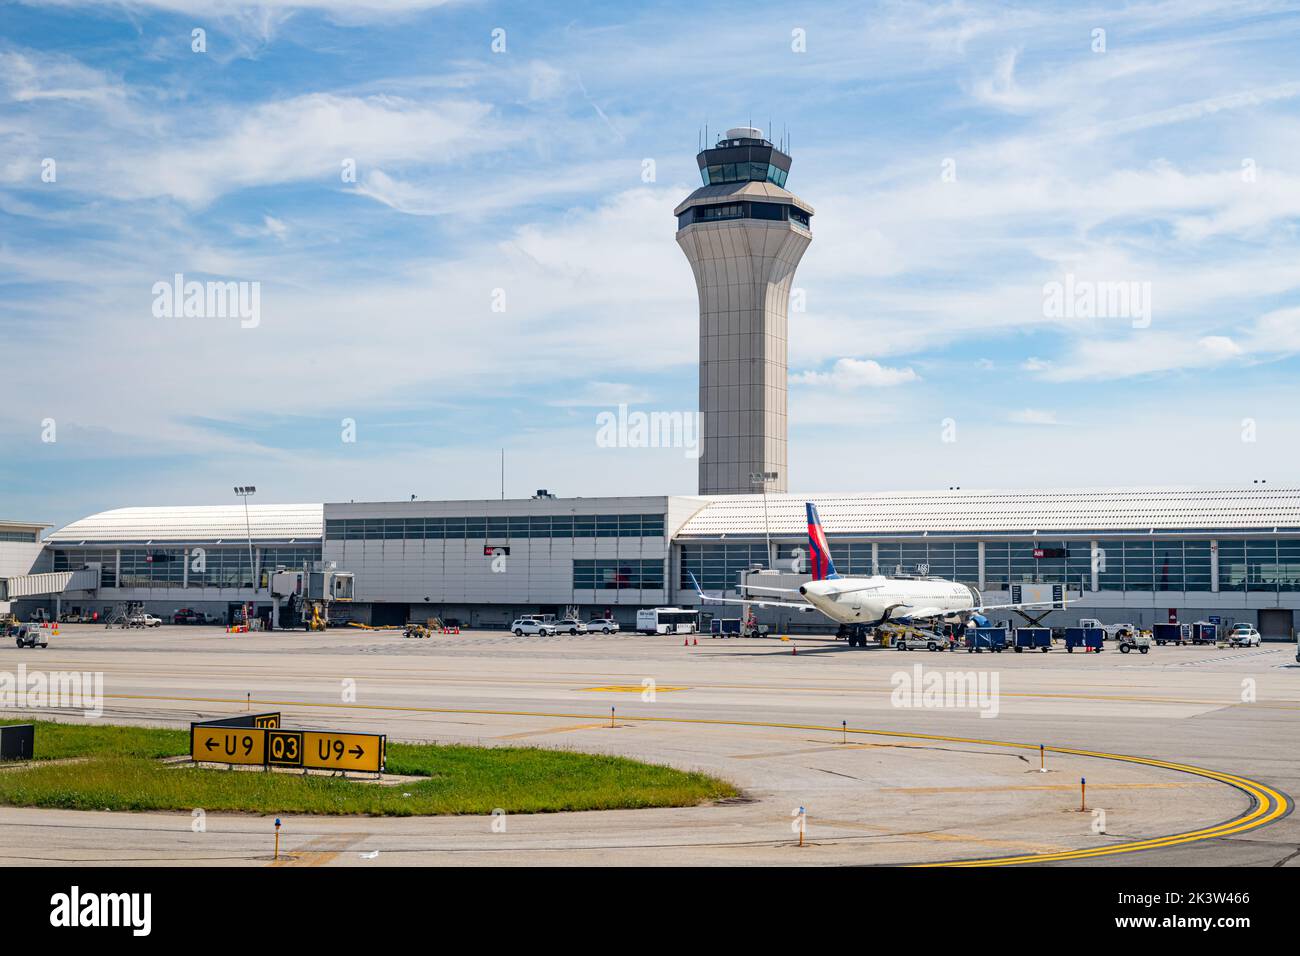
[[722, 600], [867, 587]]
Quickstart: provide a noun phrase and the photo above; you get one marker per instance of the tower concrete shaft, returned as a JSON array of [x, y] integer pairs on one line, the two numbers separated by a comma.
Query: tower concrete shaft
[[744, 235]]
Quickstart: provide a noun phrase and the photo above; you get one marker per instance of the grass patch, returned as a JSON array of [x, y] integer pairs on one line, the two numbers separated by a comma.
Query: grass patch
[[120, 772], [57, 741]]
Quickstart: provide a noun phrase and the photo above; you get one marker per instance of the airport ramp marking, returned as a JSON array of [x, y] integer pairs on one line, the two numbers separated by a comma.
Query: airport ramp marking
[[1072, 787], [1267, 803], [553, 730], [632, 689]]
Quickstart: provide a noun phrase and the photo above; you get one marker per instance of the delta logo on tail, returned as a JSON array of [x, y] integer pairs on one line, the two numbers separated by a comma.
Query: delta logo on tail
[[823, 568]]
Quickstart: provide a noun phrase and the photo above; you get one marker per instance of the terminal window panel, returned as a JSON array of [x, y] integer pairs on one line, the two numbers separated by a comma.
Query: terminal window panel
[[497, 527], [1259, 565], [1196, 566], [220, 568], [69, 560], [289, 558], [26, 537], [718, 566], [848, 558], [616, 575], [1288, 565], [152, 568]]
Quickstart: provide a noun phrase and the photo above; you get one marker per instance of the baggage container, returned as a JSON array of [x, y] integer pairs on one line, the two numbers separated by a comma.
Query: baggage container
[[980, 639], [1033, 638], [1089, 638]]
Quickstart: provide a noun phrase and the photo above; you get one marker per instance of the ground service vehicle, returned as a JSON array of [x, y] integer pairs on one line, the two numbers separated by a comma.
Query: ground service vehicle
[[667, 620], [1244, 635], [1112, 631], [1139, 642], [32, 635], [917, 641]]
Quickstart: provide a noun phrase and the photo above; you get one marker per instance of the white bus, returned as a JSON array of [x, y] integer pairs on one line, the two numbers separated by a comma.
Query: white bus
[[667, 620]]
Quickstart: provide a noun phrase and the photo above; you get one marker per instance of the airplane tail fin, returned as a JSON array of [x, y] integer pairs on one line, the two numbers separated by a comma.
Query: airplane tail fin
[[823, 568]]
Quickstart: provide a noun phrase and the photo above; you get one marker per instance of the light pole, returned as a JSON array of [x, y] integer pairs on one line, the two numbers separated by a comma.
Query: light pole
[[762, 478], [245, 492]]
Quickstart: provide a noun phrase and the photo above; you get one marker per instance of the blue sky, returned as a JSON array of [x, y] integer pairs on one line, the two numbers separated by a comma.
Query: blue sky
[[960, 156]]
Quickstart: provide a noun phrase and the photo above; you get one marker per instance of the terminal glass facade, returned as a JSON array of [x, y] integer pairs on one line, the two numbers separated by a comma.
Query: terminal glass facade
[[498, 528], [617, 574], [208, 567], [718, 566], [1261, 565], [66, 560]]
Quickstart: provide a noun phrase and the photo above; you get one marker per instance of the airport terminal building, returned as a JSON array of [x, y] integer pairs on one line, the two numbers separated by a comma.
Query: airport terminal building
[[1139, 555]]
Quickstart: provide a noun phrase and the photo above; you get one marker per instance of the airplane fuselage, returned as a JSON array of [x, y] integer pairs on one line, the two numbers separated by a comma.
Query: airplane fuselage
[[878, 599]]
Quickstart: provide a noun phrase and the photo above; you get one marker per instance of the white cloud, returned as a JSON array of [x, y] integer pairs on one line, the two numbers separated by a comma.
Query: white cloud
[[851, 373], [1033, 416]]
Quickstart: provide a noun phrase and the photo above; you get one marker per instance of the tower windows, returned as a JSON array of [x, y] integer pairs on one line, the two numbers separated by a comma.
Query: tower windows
[[773, 211]]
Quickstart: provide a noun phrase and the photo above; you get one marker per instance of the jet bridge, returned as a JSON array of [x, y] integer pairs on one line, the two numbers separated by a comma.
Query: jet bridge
[[48, 584]]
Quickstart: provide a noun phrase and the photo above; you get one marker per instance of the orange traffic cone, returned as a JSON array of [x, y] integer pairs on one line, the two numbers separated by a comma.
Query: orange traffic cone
[[794, 649], [695, 642], [686, 642]]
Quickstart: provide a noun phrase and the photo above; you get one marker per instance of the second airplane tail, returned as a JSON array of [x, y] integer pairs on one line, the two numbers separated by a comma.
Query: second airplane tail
[[823, 568]]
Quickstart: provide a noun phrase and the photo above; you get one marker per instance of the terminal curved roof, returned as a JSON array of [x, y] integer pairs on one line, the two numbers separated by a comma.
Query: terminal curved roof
[[212, 523], [984, 512]]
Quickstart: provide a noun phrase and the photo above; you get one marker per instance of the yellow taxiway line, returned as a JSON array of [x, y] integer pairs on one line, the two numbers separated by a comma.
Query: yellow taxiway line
[[1267, 804]]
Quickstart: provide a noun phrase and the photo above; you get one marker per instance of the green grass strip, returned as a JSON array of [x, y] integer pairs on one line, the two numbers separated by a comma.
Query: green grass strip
[[118, 769]]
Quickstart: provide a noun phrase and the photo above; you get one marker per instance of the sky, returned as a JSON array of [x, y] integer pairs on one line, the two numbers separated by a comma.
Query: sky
[[457, 221]]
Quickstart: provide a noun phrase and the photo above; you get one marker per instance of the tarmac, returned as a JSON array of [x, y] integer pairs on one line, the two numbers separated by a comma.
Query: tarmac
[[1189, 752]]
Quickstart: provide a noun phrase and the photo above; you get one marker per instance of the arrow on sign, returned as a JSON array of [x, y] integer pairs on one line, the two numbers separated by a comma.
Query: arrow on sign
[[356, 751], [211, 744]]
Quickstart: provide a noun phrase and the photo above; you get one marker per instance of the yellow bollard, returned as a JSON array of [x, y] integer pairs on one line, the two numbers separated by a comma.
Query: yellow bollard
[[1083, 795]]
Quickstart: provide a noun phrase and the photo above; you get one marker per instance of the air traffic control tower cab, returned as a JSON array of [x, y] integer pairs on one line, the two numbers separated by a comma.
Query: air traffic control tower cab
[[744, 235]]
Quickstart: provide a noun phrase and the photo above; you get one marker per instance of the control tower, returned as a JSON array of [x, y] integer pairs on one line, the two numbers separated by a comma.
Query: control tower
[[744, 235]]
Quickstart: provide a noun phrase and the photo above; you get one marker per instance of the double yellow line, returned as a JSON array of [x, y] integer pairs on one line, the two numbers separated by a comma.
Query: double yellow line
[[1267, 803]]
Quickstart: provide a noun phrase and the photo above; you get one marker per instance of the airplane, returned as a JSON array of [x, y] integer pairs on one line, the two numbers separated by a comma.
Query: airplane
[[874, 600]]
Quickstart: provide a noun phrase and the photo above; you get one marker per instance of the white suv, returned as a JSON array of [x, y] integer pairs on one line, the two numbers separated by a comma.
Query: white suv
[[526, 625], [604, 625], [1244, 635]]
